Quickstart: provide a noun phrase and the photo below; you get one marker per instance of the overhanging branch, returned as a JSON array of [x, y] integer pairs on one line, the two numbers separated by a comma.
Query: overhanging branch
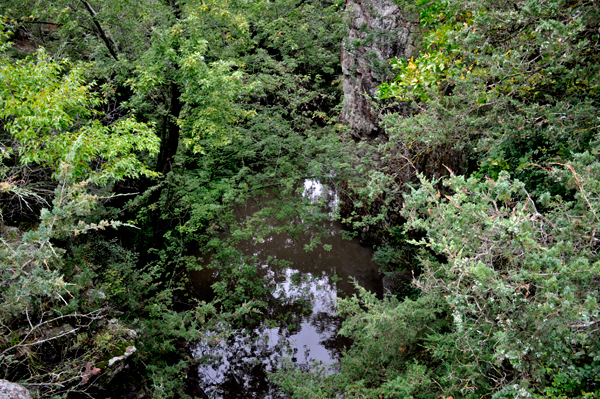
[[101, 32]]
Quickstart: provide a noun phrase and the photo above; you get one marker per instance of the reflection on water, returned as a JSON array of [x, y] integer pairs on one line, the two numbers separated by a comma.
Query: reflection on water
[[306, 294]]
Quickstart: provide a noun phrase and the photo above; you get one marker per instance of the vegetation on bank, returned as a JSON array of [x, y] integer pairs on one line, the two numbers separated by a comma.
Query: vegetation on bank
[[505, 249], [131, 129]]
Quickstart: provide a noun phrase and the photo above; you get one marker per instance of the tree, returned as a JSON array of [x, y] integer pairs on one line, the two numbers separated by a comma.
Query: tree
[[50, 127], [242, 96]]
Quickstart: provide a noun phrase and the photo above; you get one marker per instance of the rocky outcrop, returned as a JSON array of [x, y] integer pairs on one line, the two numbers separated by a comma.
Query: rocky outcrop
[[10, 390], [379, 30]]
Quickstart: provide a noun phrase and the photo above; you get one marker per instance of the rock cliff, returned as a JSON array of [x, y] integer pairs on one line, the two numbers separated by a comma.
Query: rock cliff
[[378, 31]]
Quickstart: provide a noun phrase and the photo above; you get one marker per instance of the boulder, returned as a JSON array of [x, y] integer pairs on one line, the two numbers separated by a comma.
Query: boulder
[[10, 390]]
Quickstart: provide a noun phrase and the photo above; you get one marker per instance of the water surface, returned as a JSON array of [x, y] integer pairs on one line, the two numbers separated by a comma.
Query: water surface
[[306, 293]]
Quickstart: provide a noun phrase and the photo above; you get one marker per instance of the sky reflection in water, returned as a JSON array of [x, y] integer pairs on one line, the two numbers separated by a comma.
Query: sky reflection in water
[[237, 368]]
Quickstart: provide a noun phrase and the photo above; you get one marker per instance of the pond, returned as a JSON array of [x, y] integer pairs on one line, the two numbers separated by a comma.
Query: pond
[[307, 292]]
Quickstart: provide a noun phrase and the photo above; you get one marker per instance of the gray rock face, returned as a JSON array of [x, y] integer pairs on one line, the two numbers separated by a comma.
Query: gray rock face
[[378, 31], [10, 390]]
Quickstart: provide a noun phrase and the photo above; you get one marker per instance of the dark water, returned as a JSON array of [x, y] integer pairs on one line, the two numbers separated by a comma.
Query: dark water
[[308, 326]]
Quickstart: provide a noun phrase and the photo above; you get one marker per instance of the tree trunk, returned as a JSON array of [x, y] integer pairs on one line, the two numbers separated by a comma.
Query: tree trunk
[[110, 46], [170, 136]]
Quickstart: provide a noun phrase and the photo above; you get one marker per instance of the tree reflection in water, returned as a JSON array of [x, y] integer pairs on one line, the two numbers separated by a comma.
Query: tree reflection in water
[[299, 320]]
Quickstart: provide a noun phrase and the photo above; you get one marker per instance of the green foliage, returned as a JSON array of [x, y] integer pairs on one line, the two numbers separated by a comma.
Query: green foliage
[[523, 89], [55, 297], [47, 112], [511, 310], [521, 284], [438, 62], [389, 354], [37, 277], [509, 259], [241, 95], [275, 135], [209, 88]]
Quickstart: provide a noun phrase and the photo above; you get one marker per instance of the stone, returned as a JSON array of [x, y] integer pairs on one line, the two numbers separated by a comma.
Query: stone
[[379, 30], [115, 326], [10, 390], [95, 295], [128, 352]]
